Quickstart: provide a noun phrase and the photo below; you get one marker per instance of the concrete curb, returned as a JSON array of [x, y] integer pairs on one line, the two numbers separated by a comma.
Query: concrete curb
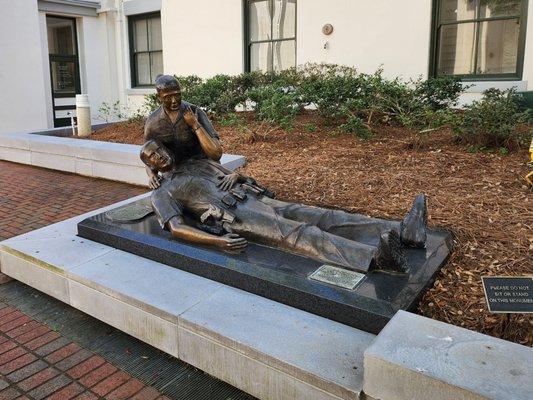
[[113, 161]]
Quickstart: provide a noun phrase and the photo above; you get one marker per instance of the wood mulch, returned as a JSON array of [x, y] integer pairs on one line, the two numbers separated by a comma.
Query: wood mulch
[[481, 197]]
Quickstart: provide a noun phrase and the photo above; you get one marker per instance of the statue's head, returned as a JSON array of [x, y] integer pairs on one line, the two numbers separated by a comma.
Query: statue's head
[[156, 156], [168, 92]]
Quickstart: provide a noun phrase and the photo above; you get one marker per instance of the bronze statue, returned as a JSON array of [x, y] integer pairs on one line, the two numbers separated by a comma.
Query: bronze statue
[[183, 128], [200, 201]]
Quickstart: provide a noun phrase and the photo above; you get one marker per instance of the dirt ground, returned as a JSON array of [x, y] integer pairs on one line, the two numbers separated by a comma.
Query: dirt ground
[[481, 197]]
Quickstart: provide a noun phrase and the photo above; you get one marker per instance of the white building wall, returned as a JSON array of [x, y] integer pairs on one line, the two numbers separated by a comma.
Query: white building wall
[[22, 78], [528, 51], [367, 34], [202, 37], [97, 66]]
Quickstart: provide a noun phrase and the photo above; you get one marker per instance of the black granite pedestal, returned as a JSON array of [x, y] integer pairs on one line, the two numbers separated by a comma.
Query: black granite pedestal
[[282, 276]]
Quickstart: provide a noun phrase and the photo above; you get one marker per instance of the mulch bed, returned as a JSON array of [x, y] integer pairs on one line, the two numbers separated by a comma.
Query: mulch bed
[[481, 197]]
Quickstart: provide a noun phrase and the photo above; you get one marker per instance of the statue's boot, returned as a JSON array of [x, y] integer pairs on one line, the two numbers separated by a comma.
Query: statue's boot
[[390, 255], [413, 230]]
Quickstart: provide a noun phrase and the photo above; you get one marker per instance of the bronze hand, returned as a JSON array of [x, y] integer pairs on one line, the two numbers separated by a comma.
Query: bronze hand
[[228, 181]]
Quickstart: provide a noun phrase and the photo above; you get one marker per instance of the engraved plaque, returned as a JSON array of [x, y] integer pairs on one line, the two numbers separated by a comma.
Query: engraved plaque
[[508, 294], [130, 212], [337, 276]]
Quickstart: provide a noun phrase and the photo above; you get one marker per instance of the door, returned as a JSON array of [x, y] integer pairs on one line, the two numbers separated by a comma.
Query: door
[[64, 67]]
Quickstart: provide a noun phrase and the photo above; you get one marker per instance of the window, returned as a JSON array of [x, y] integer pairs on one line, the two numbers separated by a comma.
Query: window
[[479, 39], [146, 49], [270, 34]]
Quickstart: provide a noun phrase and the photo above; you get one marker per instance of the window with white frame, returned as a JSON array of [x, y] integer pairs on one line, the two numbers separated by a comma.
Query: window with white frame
[[146, 49]]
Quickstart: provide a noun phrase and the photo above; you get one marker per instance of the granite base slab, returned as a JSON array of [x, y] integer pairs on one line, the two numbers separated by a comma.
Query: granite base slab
[[282, 276]]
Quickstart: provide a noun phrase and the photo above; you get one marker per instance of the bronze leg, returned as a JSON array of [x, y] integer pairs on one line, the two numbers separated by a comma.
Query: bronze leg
[[356, 227]]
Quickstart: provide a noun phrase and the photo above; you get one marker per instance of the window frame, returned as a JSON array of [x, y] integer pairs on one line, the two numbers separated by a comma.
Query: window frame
[[435, 27], [133, 64], [248, 41]]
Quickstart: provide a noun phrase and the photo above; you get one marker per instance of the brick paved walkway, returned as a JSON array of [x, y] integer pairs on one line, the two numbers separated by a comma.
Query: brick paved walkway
[[31, 197], [37, 363]]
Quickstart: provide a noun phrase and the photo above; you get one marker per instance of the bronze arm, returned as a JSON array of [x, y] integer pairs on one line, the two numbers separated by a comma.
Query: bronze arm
[[230, 242], [210, 145]]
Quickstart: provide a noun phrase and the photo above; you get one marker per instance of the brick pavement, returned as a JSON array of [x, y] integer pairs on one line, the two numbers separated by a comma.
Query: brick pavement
[[31, 197], [36, 362]]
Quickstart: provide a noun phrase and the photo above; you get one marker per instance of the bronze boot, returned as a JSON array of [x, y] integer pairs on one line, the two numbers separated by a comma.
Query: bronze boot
[[413, 230], [390, 255]]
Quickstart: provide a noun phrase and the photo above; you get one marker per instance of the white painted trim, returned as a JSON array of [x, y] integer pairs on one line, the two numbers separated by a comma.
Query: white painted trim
[[69, 7], [139, 91], [481, 86], [133, 7]]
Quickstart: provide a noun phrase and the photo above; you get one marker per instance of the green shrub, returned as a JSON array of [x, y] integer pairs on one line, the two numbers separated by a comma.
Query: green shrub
[[356, 125], [341, 95], [440, 92], [274, 104], [495, 121], [328, 88]]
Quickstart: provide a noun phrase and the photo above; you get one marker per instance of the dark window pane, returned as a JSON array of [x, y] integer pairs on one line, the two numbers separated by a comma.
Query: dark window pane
[[284, 19], [156, 64], [260, 20], [261, 56], [456, 49], [154, 30], [498, 8], [457, 10], [63, 76], [61, 37], [498, 47], [284, 54], [143, 68], [140, 35]]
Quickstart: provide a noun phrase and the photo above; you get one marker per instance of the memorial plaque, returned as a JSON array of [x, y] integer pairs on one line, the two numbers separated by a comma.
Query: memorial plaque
[[130, 212], [508, 294], [337, 276]]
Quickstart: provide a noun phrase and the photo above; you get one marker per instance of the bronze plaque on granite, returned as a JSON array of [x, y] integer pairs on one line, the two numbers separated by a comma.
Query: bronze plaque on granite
[[341, 277]]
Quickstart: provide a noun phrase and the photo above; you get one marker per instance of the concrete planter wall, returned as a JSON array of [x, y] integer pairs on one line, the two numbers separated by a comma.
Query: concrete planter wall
[[113, 161]]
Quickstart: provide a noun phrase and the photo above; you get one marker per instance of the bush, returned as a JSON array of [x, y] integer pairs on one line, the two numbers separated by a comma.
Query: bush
[[356, 125], [354, 102], [439, 93], [274, 104], [495, 121]]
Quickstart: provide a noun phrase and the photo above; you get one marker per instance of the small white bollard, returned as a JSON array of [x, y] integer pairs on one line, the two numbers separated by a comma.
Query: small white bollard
[[83, 115]]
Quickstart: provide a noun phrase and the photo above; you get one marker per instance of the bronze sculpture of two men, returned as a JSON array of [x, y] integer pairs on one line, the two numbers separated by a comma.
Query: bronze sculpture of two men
[[199, 201]]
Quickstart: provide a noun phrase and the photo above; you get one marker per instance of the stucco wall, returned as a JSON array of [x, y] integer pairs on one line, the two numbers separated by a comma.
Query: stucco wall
[[97, 67], [204, 38], [22, 98], [528, 52], [367, 34]]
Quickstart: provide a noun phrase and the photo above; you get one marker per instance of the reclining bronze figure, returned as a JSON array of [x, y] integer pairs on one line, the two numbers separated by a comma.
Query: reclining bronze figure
[[199, 201]]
